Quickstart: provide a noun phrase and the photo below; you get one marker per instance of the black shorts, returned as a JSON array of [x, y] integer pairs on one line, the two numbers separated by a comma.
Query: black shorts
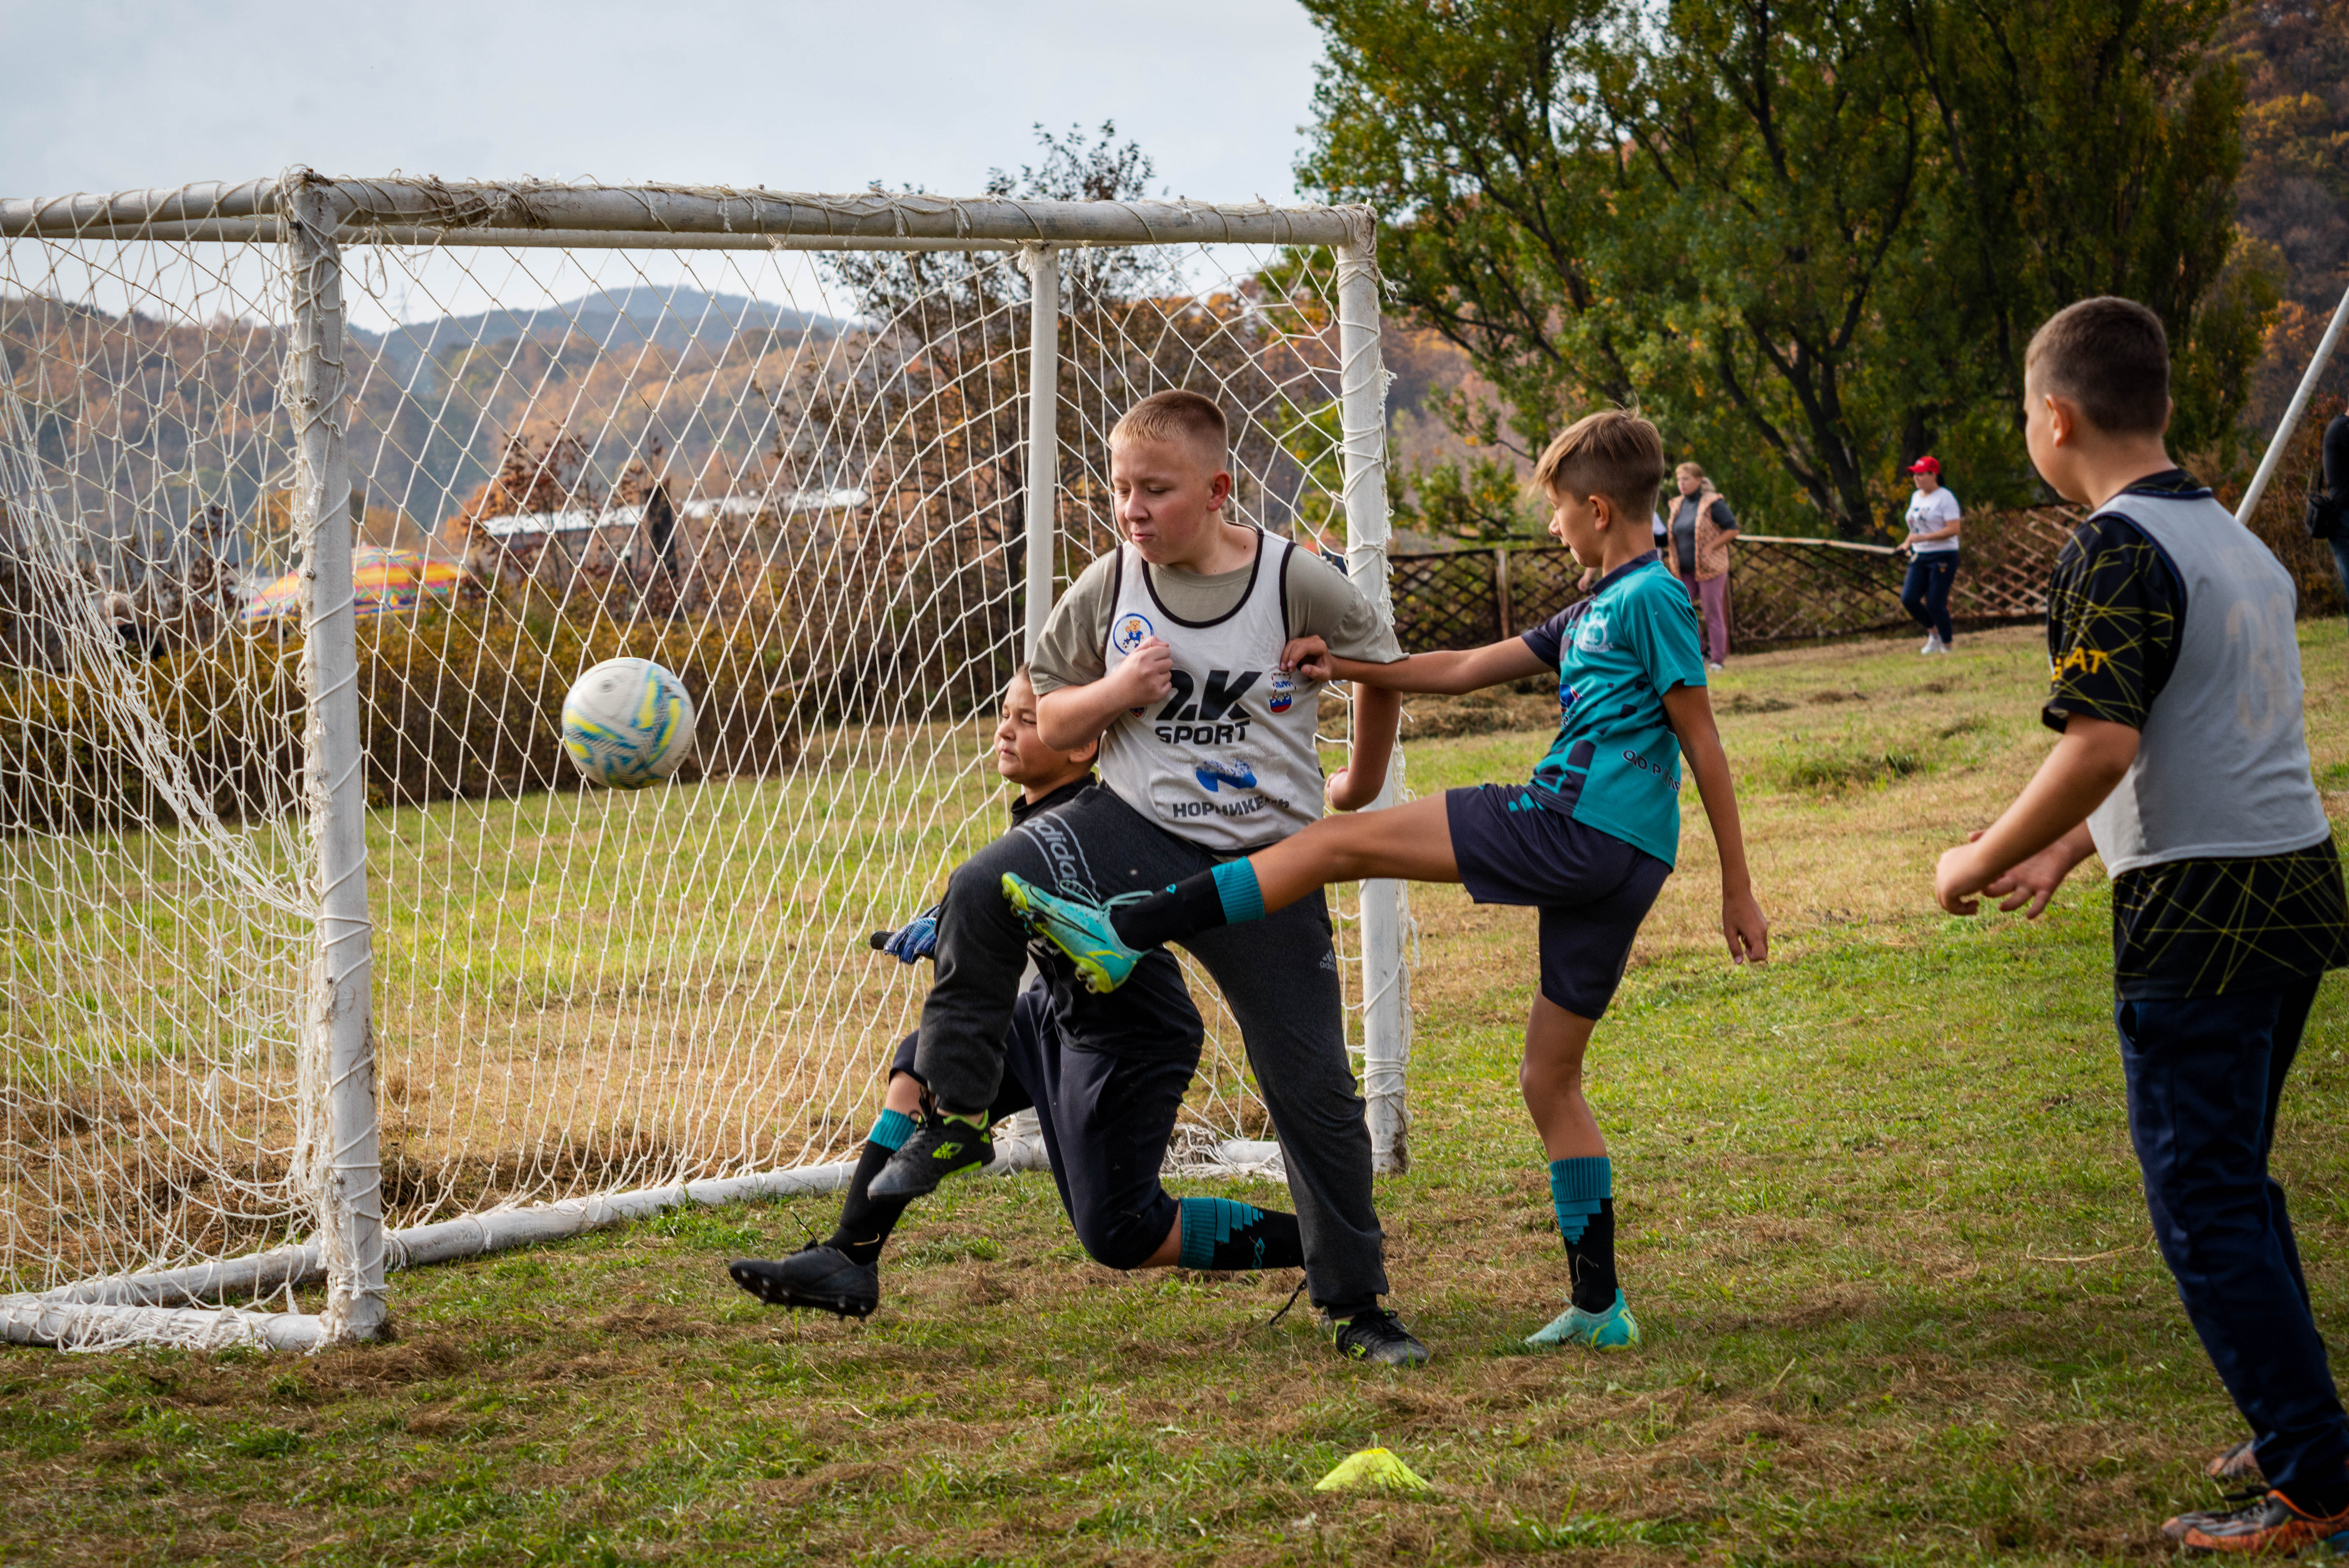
[[1592, 888]]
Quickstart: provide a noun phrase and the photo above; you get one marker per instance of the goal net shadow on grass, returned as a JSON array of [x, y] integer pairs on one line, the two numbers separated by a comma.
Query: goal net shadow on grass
[[798, 476]]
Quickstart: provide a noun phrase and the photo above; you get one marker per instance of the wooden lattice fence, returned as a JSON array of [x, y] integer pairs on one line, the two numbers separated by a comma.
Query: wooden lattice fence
[[1781, 590]]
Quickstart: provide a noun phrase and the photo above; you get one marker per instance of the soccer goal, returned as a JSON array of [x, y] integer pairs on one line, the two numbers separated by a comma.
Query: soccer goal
[[316, 496]]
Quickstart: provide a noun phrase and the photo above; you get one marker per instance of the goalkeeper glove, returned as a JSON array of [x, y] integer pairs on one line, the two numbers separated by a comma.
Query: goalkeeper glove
[[916, 938]]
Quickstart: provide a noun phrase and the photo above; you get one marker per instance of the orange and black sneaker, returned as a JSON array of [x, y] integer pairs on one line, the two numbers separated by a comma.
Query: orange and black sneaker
[[2174, 1528], [2271, 1527]]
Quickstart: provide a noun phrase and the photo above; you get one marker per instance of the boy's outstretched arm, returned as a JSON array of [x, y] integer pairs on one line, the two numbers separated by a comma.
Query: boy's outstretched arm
[[1743, 924], [1376, 714], [2013, 854], [1466, 669]]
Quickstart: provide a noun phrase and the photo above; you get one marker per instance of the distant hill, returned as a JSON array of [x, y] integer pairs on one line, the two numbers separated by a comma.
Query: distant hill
[[677, 320], [2293, 191]]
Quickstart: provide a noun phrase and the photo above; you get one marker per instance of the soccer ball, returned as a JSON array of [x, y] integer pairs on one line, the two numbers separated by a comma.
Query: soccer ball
[[628, 724]]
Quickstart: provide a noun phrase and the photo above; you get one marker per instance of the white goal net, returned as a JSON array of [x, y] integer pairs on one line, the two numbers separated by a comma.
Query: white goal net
[[315, 498]]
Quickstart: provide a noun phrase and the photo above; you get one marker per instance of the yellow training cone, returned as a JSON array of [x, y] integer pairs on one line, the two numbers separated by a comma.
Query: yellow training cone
[[1371, 1469]]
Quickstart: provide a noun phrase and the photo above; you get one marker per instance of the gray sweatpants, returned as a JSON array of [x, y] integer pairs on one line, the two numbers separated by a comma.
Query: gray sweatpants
[[1278, 976]]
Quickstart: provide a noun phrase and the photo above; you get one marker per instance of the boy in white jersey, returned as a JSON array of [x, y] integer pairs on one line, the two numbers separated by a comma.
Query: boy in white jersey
[[2184, 763], [1168, 649], [1588, 842]]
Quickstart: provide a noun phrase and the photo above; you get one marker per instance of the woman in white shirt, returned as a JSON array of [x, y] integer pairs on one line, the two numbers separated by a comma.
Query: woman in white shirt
[[1933, 546]]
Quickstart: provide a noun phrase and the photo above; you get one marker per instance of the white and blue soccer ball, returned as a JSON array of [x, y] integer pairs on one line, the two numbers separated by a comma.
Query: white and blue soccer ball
[[628, 724]]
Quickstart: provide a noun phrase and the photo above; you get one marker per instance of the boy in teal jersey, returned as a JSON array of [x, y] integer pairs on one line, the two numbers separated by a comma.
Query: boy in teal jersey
[[1588, 842]]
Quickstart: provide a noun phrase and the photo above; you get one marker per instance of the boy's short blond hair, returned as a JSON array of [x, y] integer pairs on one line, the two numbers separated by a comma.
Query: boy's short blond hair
[[2111, 356], [1688, 470], [1613, 453], [1177, 416]]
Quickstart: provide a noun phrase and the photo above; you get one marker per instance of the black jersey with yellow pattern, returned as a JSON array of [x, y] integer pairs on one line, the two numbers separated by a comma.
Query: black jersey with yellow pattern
[[2116, 612], [2208, 927], [2116, 608]]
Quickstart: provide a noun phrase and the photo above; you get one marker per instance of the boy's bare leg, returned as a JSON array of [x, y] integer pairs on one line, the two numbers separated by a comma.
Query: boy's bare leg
[[1550, 1079], [1413, 841], [1582, 1183]]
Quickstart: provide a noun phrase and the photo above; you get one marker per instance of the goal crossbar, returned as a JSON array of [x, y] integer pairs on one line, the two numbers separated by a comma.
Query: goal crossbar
[[490, 214]]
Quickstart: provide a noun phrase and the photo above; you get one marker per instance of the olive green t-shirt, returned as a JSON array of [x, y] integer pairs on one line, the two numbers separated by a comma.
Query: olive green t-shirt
[[1322, 602]]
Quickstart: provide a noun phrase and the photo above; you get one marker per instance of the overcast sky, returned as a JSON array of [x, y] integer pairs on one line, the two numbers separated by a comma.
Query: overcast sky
[[790, 94]]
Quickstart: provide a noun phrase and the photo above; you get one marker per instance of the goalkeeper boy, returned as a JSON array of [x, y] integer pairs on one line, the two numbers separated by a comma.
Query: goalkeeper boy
[[1588, 842], [1106, 1112], [1167, 649]]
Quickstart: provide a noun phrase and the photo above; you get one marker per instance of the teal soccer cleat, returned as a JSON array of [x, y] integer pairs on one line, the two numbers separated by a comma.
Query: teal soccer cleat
[[1079, 928], [1614, 1329]]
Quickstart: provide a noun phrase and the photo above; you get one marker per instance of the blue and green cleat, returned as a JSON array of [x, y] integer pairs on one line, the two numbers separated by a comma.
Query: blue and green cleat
[[1079, 928], [1614, 1329]]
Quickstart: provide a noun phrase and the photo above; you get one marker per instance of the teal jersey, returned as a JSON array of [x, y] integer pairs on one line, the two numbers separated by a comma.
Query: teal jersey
[[1617, 652]]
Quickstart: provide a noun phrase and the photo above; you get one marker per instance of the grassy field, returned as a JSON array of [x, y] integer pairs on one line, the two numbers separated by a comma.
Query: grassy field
[[1879, 1219]]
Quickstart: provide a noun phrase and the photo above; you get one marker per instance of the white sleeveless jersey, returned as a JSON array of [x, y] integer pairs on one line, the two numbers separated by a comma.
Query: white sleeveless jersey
[[2221, 767], [1229, 761]]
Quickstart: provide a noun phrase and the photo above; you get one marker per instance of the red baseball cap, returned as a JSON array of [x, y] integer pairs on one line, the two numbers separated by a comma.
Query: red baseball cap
[[1926, 465]]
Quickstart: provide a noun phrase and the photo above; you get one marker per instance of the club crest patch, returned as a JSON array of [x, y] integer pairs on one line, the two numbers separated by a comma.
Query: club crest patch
[[1131, 631]]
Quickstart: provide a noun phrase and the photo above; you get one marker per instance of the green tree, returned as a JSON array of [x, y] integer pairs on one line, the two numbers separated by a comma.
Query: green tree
[[1779, 159], [1463, 125], [1776, 224], [2092, 147], [1483, 501]]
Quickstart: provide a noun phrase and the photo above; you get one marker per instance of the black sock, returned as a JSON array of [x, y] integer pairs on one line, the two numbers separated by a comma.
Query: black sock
[[865, 1221], [1218, 1233], [1192, 905], [1590, 1260], [1272, 1242]]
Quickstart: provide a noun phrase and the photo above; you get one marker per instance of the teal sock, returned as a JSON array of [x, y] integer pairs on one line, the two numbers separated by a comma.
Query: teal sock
[[1207, 1222], [890, 1130], [1237, 888], [1578, 1187]]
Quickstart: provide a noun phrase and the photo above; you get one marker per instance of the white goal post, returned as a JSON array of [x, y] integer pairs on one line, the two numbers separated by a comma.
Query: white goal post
[[316, 493]]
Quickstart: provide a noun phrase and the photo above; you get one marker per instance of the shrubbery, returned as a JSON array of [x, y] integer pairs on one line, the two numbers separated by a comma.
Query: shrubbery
[[469, 703], [462, 701]]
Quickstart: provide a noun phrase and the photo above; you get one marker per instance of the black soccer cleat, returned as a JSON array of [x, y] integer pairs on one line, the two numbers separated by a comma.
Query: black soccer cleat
[[938, 1148], [819, 1277], [1378, 1337]]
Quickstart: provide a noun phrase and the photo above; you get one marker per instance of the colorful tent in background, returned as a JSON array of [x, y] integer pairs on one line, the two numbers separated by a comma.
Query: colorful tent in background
[[386, 581]]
